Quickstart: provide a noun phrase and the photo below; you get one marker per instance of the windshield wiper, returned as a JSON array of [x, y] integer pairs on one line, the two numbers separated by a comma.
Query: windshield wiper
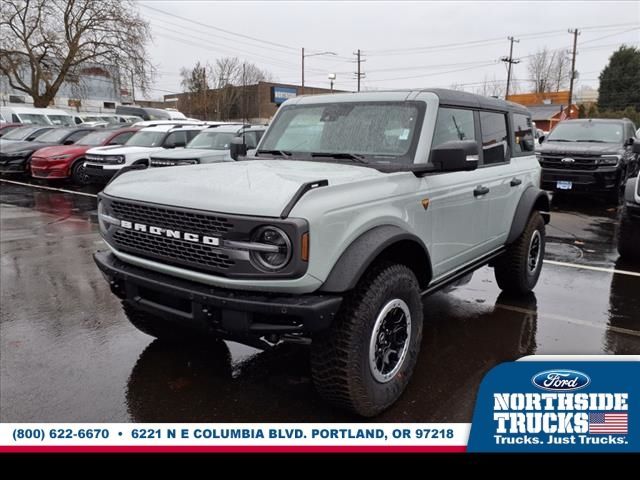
[[560, 140], [281, 153], [341, 156], [591, 141]]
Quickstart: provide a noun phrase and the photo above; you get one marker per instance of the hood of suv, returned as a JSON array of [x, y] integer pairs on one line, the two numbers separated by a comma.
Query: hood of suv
[[183, 153], [579, 148], [252, 187], [122, 150]]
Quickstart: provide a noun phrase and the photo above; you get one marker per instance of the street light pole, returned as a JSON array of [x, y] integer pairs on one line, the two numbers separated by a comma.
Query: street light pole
[[311, 55], [332, 77]]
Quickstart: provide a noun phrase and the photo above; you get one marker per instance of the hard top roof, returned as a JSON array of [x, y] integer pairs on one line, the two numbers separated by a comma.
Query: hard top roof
[[445, 96], [169, 127]]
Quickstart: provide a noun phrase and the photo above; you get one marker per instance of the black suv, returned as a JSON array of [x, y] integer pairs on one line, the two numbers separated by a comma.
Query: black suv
[[589, 155], [629, 235]]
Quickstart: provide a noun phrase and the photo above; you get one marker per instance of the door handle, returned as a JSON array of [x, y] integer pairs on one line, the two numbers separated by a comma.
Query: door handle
[[481, 190], [515, 182]]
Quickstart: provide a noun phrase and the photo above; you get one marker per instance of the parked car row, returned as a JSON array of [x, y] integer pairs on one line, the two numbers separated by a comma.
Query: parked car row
[[94, 155], [124, 114]]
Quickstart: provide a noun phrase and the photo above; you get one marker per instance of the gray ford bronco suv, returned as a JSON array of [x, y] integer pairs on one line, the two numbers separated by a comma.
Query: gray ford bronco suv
[[352, 208]]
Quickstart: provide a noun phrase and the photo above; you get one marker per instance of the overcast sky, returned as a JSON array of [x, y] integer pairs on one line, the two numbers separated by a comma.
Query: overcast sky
[[405, 44]]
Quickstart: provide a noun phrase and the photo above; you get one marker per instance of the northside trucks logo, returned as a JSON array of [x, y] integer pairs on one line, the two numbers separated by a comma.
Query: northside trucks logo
[[559, 415]]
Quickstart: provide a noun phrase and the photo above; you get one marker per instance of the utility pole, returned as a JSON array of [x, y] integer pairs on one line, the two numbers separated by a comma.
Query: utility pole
[[302, 85], [575, 32], [359, 73], [510, 61]]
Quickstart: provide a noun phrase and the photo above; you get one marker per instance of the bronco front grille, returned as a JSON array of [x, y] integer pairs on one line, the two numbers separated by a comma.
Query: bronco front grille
[[172, 250], [173, 219]]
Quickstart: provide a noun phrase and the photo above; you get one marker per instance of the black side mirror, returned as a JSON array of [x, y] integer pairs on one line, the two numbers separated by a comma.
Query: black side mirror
[[68, 142], [629, 141], [541, 139], [179, 144], [456, 156], [237, 148], [635, 148]]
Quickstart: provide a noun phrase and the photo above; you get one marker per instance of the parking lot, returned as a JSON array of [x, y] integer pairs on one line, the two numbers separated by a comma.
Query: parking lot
[[69, 354]]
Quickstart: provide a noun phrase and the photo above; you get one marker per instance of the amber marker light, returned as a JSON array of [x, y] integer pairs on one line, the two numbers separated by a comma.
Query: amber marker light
[[305, 247], [425, 203]]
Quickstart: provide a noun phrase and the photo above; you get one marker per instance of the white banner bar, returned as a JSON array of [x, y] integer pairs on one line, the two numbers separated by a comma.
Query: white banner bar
[[234, 434]]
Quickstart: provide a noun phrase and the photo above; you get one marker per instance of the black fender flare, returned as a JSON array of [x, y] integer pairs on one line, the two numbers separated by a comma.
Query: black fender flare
[[363, 251], [532, 199], [630, 190]]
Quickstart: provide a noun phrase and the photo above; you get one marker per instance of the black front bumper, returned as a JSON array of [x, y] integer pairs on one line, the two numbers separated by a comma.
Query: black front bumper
[[13, 165], [600, 180], [230, 313], [97, 173]]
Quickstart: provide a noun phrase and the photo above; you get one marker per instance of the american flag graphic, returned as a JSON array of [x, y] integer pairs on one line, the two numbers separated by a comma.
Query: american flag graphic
[[613, 422]]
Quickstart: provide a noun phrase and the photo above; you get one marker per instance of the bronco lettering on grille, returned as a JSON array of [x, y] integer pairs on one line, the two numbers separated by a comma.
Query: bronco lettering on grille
[[169, 233]]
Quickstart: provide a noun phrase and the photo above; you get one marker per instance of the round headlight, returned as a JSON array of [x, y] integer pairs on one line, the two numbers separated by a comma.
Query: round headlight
[[271, 260]]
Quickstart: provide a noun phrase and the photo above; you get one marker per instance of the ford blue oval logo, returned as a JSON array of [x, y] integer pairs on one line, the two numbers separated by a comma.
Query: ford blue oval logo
[[554, 380]]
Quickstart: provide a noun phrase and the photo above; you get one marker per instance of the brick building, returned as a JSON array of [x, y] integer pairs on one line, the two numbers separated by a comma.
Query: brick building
[[547, 108], [257, 103]]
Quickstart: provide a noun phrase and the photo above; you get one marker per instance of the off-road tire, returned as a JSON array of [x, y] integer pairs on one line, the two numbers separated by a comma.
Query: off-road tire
[[160, 328], [628, 238], [78, 175], [340, 358], [616, 196], [512, 268]]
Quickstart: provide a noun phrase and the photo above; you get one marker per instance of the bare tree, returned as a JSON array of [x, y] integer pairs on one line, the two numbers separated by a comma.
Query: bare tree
[[549, 70], [45, 42], [220, 87], [196, 84], [494, 88]]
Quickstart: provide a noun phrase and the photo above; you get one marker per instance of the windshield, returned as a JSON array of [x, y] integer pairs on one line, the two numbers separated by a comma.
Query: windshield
[[157, 114], [65, 120], [382, 131], [95, 138], [587, 132], [212, 140], [19, 133], [54, 135], [104, 118], [33, 119], [146, 139]]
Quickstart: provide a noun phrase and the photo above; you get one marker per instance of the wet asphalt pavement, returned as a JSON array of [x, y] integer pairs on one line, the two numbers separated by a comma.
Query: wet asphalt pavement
[[67, 353]]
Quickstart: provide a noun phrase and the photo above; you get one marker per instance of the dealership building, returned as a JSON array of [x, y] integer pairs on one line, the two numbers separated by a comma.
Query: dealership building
[[255, 103]]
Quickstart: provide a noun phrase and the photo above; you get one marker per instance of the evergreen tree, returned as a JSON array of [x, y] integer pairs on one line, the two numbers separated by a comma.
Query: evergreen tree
[[620, 81]]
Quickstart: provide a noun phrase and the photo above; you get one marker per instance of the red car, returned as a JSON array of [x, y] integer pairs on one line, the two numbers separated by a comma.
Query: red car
[[66, 161]]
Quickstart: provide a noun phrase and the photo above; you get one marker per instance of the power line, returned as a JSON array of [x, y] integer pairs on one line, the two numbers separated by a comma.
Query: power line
[[229, 32], [525, 36]]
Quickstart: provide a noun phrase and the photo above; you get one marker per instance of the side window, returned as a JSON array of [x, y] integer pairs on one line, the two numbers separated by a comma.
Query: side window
[[453, 124], [75, 136], [14, 118], [191, 134], [250, 139], [524, 134], [175, 137], [121, 139], [495, 140]]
